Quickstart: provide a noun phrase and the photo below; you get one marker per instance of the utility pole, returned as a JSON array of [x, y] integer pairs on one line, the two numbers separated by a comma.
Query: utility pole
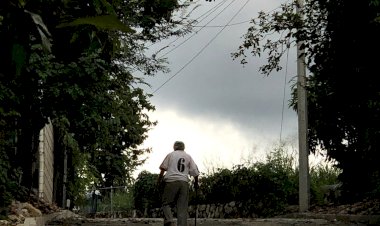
[[304, 179]]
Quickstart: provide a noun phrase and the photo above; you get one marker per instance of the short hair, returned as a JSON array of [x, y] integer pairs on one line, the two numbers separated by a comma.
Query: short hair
[[179, 145]]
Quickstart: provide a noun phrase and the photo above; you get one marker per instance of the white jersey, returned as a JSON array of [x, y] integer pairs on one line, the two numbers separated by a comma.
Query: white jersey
[[178, 166]]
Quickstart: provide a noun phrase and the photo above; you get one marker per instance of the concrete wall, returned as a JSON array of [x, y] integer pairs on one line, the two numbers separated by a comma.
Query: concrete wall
[[46, 163]]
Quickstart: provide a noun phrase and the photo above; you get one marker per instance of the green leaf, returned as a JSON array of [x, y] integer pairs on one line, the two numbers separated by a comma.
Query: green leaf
[[377, 19], [106, 22], [42, 30], [108, 6], [375, 3]]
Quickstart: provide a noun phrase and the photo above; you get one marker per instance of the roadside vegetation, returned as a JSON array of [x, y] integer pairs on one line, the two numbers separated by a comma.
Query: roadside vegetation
[[76, 63], [265, 188], [81, 65]]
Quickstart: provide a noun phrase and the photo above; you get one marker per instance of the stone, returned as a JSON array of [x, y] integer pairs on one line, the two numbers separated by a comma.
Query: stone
[[33, 212], [4, 222]]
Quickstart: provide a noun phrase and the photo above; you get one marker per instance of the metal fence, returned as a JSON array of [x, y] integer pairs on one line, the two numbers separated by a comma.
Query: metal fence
[[108, 202]]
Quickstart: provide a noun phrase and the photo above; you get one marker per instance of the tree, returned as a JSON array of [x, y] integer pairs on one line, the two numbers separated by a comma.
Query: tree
[[343, 100], [73, 61], [20, 95]]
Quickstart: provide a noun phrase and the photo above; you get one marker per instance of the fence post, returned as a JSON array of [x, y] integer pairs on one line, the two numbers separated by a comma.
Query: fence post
[[111, 202], [94, 202]]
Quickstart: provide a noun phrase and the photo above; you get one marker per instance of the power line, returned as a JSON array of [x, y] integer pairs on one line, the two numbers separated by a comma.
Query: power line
[[196, 55], [212, 26], [241, 22], [229, 25], [193, 58], [213, 9], [196, 32]]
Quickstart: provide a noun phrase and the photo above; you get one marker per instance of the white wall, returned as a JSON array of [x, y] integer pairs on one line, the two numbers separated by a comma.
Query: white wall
[[46, 163]]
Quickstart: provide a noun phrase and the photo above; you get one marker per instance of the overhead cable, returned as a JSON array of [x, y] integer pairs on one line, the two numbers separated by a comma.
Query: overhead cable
[[204, 47], [196, 32], [207, 13]]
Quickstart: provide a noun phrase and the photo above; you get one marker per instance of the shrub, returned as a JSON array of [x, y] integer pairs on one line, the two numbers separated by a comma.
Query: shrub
[[264, 188], [146, 193], [320, 176]]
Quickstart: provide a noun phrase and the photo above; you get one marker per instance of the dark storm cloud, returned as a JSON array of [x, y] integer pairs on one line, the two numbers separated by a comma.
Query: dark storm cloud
[[213, 85]]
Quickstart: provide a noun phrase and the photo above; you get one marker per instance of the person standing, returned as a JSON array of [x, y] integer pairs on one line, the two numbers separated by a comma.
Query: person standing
[[178, 166]]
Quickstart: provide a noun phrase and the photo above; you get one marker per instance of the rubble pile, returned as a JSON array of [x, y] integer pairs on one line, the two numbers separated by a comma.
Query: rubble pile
[[44, 207], [35, 207]]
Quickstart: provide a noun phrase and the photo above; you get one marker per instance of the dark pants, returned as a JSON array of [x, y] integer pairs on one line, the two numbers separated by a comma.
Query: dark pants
[[175, 193]]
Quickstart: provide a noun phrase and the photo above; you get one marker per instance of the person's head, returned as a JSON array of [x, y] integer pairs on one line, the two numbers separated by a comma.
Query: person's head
[[179, 145]]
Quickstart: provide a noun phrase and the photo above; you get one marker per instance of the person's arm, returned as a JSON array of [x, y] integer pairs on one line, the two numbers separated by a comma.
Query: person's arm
[[159, 179], [163, 167], [193, 171]]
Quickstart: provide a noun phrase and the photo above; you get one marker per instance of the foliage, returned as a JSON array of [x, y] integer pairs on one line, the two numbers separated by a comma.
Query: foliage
[[5, 166], [121, 200], [108, 200], [146, 192], [320, 176], [20, 99], [4, 186], [73, 62], [263, 188], [338, 38]]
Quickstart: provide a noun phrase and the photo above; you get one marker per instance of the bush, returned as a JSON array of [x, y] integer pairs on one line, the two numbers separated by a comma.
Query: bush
[[320, 176], [264, 189], [146, 193]]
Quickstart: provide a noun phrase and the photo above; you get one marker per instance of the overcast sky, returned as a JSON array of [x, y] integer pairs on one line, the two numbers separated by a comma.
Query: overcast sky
[[224, 112]]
